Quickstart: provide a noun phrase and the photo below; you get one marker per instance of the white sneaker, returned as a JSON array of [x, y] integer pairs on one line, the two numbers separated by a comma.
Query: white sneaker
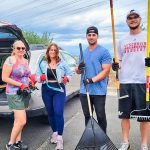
[[144, 148], [125, 146], [53, 139], [59, 145]]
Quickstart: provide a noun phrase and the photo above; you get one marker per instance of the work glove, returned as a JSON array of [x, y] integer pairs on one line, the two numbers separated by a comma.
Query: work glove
[[33, 78], [24, 90], [42, 77], [65, 79], [23, 87], [81, 67], [32, 82], [87, 81], [115, 66], [32, 86]]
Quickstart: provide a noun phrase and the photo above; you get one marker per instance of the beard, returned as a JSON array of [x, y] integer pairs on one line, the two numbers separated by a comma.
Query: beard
[[92, 43], [133, 28]]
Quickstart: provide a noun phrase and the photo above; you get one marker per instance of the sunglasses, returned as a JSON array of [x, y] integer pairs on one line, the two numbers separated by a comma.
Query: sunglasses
[[133, 17], [19, 48]]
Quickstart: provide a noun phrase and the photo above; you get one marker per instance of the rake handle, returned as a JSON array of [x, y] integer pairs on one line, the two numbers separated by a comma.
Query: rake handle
[[148, 58], [84, 76]]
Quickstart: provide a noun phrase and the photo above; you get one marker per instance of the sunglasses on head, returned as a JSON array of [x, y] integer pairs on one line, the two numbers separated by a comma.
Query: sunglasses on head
[[132, 17], [19, 48]]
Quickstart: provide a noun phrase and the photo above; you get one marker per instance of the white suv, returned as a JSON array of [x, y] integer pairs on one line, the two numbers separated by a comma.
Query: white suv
[[8, 34]]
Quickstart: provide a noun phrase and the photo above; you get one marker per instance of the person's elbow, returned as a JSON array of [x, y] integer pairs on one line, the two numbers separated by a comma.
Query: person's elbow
[[4, 78], [107, 69]]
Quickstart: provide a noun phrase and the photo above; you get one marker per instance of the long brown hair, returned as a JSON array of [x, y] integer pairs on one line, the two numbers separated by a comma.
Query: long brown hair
[[57, 53]]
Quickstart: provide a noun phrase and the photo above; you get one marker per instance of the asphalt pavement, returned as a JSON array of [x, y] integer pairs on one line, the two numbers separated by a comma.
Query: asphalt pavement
[[74, 127], [37, 133]]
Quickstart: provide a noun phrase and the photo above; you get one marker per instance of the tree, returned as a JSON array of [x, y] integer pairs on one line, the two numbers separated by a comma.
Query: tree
[[34, 38]]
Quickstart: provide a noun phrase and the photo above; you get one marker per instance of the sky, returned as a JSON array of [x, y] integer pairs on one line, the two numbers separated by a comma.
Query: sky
[[67, 20]]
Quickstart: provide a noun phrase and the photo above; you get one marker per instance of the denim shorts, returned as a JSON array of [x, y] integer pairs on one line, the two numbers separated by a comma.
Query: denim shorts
[[18, 102]]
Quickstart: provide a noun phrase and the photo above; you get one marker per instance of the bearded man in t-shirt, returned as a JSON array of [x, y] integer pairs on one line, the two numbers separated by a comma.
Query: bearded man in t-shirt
[[131, 54]]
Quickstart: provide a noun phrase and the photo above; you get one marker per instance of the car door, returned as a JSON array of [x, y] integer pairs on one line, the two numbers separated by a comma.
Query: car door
[[8, 34], [72, 88]]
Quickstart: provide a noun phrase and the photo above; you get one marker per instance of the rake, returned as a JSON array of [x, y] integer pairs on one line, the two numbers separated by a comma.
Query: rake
[[115, 52], [144, 114], [93, 137]]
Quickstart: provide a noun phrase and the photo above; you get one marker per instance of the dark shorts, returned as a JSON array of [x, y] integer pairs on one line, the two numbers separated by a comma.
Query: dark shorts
[[18, 102], [136, 99]]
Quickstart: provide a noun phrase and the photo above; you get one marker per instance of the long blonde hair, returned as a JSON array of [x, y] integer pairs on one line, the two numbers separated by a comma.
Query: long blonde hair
[[57, 53]]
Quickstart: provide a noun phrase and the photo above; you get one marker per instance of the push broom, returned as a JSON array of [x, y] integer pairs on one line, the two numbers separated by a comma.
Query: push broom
[[93, 137], [115, 51], [144, 114]]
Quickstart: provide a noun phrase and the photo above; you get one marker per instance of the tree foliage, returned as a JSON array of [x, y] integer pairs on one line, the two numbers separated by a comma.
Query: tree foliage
[[34, 38]]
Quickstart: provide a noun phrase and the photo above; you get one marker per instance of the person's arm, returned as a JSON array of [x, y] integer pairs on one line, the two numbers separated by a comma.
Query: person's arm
[[104, 73], [6, 71], [68, 72], [40, 74]]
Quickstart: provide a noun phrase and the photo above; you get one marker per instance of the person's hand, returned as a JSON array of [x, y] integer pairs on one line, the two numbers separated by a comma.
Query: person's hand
[[115, 66], [42, 77], [33, 78], [24, 90], [81, 67], [23, 87], [87, 81], [65, 79], [32, 85]]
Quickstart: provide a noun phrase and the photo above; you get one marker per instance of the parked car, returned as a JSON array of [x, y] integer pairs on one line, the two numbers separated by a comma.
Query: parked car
[[8, 34]]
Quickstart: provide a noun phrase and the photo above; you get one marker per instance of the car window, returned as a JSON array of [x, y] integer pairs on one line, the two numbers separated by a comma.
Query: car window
[[69, 59], [37, 47]]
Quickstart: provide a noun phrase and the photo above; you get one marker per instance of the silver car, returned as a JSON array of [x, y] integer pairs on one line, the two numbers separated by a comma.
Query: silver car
[[8, 34]]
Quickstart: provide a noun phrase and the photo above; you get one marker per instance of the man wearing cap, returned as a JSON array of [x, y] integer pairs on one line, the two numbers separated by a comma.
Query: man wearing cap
[[94, 74], [131, 54]]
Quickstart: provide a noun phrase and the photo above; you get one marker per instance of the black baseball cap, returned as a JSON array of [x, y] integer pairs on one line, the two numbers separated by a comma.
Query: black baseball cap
[[92, 29]]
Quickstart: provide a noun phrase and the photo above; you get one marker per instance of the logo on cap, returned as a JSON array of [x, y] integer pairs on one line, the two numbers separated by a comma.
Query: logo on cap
[[92, 29], [133, 12]]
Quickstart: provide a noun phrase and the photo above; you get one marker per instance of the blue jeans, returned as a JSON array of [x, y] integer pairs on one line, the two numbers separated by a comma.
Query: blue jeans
[[54, 102], [97, 103]]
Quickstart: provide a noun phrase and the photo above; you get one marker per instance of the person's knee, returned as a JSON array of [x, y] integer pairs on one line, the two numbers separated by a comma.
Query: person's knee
[[20, 117], [20, 121]]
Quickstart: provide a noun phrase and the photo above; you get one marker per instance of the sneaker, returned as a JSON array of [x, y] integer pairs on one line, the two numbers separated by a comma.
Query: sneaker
[[21, 145], [144, 148], [53, 139], [125, 146], [11, 147], [59, 145]]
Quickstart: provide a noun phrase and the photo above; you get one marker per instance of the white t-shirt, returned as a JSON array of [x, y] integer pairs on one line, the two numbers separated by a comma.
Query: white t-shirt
[[132, 53]]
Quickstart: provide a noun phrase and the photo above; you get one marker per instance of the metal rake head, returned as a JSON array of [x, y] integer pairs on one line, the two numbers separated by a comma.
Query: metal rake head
[[108, 146], [94, 138], [142, 115]]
